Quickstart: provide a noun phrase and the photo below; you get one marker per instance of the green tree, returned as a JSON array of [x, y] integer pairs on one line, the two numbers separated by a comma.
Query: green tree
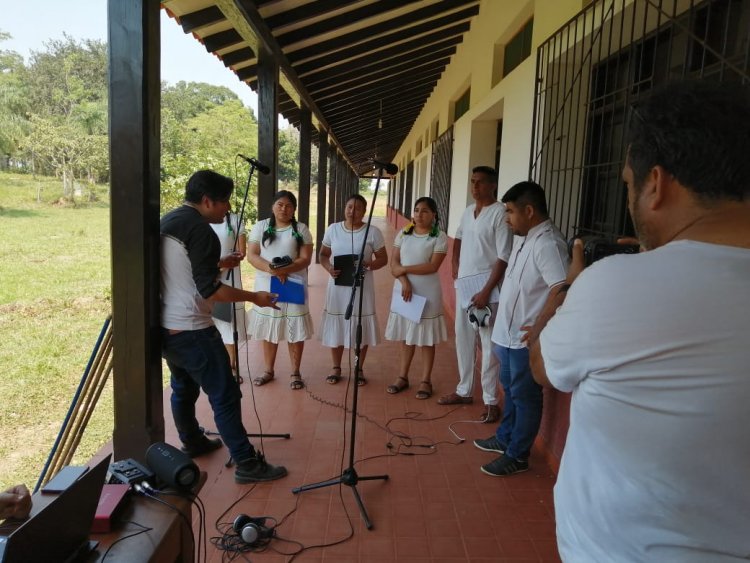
[[189, 99], [13, 103], [67, 75], [67, 104], [289, 157], [211, 139]]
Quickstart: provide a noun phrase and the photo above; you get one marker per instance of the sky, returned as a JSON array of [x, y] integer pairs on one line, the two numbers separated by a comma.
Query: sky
[[34, 22]]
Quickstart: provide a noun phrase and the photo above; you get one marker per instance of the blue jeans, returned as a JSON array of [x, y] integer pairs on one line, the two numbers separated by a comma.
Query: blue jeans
[[522, 411], [198, 360]]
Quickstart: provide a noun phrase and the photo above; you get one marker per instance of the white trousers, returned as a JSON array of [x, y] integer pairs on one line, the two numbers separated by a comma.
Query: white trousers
[[466, 342]]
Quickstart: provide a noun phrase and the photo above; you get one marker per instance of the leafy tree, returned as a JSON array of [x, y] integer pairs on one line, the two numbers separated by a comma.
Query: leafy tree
[[61, 146], [67, 75], [13, 103], [67, 104], [211, 139], [289, 157], [189, 99]]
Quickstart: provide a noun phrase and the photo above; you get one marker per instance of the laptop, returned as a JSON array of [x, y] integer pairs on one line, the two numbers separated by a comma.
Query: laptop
[[59, 531]]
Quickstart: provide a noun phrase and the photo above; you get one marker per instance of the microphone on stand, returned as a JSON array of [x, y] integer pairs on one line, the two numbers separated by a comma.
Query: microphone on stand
[[389, 167], [262, 168]]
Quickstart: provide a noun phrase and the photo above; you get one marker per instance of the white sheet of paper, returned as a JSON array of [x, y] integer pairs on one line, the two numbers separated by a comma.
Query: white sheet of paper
[[411, 310], [469, 286]]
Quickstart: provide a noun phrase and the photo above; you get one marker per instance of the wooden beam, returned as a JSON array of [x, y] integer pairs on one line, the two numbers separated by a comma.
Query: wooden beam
[[303, 211], [134, 122], [322, 191], [268, 129]]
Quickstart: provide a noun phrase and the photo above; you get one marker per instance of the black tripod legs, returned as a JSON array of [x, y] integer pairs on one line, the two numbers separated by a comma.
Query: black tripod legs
[[349, 478]]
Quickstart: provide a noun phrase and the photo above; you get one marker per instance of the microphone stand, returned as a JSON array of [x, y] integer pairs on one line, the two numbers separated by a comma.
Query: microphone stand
[[349, 477], [235, 334]]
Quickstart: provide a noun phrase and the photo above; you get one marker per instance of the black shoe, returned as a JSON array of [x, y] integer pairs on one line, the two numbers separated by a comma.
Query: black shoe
[[490, 444], [201, 446], [504, 466], [256, 470]]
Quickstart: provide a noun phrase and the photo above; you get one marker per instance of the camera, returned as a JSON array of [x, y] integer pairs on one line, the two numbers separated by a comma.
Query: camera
[[280, 261], [596, 248]]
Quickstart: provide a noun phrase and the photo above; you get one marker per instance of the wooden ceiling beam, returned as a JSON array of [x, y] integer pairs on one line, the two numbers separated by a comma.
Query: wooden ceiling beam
[[377, 43], [345, 58], [201, 18]]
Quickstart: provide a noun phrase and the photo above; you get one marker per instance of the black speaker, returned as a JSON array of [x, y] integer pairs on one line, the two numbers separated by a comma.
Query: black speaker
[[252, 530], [173, 467]]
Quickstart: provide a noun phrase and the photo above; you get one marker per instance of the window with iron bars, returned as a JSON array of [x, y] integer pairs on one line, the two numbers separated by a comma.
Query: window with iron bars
[[594, 69]]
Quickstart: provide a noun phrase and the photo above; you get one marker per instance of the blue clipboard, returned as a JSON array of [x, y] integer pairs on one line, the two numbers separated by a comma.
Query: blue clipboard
[[291, 291]]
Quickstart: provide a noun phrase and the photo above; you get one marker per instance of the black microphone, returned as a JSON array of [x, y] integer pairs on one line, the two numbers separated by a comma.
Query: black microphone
[[262, 168], [389, 167]]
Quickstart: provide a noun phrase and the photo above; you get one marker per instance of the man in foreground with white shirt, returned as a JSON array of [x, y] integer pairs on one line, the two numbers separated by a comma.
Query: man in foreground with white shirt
[[656, 347]]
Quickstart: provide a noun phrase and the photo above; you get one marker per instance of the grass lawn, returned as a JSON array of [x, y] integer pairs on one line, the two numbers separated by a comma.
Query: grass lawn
[[54, 298]]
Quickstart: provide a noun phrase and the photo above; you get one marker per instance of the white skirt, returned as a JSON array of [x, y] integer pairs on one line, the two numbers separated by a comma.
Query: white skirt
[[427, 332], [291, 323], [336, 331]]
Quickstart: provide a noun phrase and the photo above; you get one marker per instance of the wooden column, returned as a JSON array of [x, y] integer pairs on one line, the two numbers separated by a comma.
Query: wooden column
[[305, 136], [332, 187], [323, 221], [268, 129], [134, 121]]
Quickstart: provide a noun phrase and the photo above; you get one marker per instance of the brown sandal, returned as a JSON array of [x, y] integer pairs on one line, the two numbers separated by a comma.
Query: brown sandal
[[263, 379], [399, 385], [296, 382], [424, 391], [335, 376]]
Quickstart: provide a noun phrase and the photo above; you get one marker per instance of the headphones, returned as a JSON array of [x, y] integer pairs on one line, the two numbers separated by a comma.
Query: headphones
[[479, 317], [253, 531]]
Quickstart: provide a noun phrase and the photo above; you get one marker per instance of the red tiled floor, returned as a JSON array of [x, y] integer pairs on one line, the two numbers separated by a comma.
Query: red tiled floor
[[436, 505]]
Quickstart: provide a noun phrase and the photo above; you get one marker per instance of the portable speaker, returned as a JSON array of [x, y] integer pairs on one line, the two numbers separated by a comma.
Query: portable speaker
[[479, 317], [171, 466], [252, 530]]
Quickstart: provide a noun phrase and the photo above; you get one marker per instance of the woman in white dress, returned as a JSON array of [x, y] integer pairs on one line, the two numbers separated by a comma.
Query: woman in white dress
[[273, 241], [418, 251], [229, 231], [345, 239]]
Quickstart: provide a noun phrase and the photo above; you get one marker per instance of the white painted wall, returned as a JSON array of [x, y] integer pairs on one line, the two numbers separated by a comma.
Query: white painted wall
[[511, 99]]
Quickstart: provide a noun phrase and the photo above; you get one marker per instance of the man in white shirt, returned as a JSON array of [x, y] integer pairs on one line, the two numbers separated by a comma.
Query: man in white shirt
[[656, 347], [480, 255], [538, 265]]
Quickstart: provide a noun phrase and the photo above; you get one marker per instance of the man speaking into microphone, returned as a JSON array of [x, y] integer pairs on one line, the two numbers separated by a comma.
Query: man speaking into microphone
[[192, 346]]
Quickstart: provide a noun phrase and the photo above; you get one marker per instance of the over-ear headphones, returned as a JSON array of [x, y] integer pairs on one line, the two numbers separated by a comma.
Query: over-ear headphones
[[252, 530], [479, 317]]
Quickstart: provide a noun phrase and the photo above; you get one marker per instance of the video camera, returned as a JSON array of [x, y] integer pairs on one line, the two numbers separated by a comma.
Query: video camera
[[595, 248]]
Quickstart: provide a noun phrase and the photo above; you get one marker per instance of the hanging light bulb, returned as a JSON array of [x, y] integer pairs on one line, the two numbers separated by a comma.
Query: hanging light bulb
[[380, 117]]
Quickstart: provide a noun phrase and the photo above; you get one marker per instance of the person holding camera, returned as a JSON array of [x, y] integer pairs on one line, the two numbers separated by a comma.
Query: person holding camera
[[654, 347], [279, 247], [344, 239], [537, 268]]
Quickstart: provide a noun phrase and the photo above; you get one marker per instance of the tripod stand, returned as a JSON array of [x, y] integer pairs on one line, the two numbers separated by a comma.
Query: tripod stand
[[230, 277], [349, 476]]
